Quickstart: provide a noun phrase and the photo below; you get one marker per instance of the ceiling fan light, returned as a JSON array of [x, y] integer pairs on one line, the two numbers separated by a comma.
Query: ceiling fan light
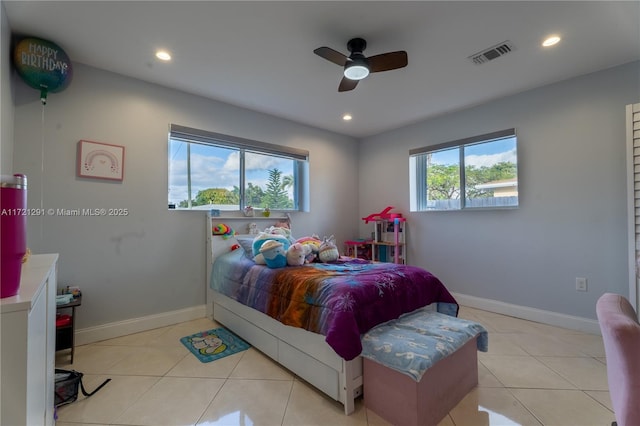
[[356, 71], [551, 41], [163, 55]]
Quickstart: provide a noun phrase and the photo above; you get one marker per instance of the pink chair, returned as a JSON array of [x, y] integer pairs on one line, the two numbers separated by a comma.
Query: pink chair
[[621, 337]]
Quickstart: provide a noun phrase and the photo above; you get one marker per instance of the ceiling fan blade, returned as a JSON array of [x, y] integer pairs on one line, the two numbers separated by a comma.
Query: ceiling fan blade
[[388, 61], [331, 55], [347, 84]]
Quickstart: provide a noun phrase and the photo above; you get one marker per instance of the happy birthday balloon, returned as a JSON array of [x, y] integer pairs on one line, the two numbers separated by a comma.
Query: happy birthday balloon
[[43, 65]]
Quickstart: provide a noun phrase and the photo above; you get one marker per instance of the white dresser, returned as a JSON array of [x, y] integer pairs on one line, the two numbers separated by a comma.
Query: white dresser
[[27, 348]]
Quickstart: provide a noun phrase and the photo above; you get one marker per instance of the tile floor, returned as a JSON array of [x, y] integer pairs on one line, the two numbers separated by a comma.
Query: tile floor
[[533, 374]]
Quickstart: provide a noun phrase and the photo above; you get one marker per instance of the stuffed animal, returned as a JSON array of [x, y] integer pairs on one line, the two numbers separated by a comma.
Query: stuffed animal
[[282, 223], [275, 255], [328, 251], [253, 228], [297, 253], [261, 239], [278, 230], [223, 230], [312, 245]]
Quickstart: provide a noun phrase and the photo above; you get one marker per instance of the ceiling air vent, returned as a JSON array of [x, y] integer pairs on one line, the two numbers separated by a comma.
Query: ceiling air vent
[[492, 53]]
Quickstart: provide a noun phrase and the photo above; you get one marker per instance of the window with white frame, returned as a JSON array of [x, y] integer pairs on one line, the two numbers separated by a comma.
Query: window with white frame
[[214, 171], [475, 173]]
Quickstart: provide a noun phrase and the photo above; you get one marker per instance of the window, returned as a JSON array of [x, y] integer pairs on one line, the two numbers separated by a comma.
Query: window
[[472, 173], [214, 171]]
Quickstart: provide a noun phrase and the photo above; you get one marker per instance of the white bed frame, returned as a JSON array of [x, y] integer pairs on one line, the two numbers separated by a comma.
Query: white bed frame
[[302, 352]]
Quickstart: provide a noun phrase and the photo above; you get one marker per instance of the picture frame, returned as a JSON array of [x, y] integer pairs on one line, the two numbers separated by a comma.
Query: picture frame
[[99, 160]]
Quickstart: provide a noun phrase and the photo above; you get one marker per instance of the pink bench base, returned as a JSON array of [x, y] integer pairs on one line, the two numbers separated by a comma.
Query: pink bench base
[[400, 400]]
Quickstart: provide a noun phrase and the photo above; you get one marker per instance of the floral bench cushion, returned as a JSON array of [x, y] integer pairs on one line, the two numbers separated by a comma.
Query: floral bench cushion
[[414, 342]]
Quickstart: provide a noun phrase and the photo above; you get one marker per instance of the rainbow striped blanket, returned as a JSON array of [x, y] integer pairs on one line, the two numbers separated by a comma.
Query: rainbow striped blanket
[[340, 300]]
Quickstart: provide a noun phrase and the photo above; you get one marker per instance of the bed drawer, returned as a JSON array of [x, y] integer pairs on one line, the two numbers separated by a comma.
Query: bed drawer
[[263, 341], [315, 372]]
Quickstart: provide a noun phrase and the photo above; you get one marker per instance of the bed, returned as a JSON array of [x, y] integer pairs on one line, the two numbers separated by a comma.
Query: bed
[[314, 332]]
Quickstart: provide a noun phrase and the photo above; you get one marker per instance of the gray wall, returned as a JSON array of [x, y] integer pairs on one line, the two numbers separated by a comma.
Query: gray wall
[[153, 260], [6, 96], [572, 182], [571, 221]]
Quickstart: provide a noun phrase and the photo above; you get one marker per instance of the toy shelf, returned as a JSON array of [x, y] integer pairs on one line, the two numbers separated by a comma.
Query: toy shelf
[[360, 248], [388, 244]]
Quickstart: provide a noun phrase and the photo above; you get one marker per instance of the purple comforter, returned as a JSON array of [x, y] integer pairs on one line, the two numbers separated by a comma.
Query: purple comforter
[[340, 300]]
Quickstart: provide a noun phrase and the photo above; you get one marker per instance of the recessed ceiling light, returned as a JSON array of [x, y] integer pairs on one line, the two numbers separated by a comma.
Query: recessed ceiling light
[[551, 40], [163, 55], [347, 117]]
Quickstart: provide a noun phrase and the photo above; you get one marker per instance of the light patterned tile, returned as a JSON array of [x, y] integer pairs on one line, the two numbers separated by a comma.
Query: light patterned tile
[[506, 324], [171, 401], [590, 344], [503, 344], [486, 379], [96, 359], [584, 373], [148, 361], [602, 397], [566, 360], [79, 424], [524, 372], [171, 337], [545, 345], [563, 407], [490, 406], [190, 366], [255, 365], [268, 400], [137, 339], [309, 407], [552, 330], [446, 421], [375, 420], [109, 402]]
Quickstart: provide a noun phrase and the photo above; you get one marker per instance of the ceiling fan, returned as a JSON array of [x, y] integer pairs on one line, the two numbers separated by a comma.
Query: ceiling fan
[[357, 66]]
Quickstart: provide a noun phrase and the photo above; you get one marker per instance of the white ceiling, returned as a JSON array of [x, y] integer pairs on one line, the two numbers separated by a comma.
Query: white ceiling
[[259, 55]]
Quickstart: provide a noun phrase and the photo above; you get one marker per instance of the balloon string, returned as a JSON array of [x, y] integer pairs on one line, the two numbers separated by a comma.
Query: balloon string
[[42, 176]]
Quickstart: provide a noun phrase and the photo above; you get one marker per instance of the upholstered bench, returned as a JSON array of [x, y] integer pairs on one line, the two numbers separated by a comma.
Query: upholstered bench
[[418, 367]]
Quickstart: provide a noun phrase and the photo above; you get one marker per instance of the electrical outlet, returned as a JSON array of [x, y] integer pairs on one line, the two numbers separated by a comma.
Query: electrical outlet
[[581, 284]]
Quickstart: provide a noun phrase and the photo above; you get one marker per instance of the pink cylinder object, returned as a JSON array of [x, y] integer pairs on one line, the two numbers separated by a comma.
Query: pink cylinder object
[[13, 232]]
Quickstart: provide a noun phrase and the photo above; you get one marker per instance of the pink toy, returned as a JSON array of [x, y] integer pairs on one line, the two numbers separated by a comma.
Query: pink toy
[[383, 215], [312, 246], [296, 255]]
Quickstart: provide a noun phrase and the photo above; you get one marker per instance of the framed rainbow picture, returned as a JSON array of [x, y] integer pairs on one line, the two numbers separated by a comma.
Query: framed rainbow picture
[[100, 160]]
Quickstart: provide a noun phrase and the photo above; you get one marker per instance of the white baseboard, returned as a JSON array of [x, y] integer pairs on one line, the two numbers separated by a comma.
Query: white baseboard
[[136, 325], [532, 314]]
